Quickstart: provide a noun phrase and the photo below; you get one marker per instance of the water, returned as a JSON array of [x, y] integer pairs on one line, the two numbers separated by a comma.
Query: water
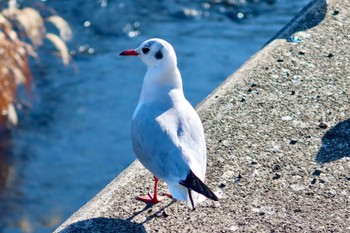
[[74, 139]]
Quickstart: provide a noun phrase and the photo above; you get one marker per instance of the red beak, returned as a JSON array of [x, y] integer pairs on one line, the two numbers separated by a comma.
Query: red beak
[[130, 52]]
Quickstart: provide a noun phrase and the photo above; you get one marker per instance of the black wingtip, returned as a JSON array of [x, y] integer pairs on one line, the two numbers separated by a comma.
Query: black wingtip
[[194, 183]]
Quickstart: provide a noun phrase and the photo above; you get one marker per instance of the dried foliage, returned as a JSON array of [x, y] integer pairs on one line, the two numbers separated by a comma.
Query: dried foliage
[[21, 32], [60, 45], [65, 31]]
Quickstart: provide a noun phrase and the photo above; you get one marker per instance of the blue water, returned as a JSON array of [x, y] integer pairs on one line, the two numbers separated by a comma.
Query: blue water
[[74, 139]]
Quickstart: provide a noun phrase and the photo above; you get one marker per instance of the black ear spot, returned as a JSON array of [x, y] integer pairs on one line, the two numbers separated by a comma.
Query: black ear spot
[[159, 54], [145, 50]]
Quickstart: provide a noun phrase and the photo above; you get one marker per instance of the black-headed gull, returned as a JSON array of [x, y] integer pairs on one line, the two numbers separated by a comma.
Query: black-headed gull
[[167, 133]]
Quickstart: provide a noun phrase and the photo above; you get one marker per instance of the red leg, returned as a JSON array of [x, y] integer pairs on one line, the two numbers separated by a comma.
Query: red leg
[[148, 198]]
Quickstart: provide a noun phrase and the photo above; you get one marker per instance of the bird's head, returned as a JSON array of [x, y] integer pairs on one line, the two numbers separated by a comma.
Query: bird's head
[[154, 53]]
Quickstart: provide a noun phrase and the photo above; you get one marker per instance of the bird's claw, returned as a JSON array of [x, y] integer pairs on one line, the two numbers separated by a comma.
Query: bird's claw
[[149, 198], [168, 195]]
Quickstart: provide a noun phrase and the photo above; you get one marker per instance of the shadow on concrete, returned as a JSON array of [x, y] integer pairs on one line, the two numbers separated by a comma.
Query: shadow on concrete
[[115, 225], [311, 15], [104, 225], [335, 143]]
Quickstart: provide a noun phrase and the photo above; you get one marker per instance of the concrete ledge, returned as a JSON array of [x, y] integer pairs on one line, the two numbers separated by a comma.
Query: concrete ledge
[[278, 135]]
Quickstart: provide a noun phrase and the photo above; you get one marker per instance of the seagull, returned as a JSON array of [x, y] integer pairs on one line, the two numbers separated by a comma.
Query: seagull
[[167, 133]]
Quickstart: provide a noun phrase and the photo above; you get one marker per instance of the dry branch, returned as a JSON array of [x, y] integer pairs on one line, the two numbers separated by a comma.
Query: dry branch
[[21, 31]]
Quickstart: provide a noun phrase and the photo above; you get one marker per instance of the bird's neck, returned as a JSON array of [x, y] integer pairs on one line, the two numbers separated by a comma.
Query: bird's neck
[[159, 83]]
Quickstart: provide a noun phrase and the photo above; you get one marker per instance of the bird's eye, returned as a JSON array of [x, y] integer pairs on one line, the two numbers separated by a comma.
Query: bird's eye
[[159, 54], [145, 50]]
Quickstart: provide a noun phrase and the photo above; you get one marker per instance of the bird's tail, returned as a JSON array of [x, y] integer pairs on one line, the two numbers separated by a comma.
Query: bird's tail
[[192, 182]]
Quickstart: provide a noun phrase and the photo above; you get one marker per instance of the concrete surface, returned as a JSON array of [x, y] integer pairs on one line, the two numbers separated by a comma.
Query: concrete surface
[[278, 136]]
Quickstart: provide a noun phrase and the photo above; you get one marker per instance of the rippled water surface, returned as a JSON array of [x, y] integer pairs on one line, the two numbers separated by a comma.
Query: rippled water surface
[[75, 138]]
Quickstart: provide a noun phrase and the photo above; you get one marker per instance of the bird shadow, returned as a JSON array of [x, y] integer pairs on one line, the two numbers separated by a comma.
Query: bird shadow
[[312, 15], [335, 143], [103, 224]]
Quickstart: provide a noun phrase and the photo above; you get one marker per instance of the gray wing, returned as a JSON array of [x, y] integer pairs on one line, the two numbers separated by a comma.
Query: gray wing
[[169, 143]]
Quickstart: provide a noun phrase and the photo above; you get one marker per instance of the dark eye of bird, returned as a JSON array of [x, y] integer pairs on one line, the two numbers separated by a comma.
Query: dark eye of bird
[[159, 54], [145, 50]]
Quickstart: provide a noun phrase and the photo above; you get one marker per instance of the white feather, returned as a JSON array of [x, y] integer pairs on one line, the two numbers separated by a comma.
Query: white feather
[[167, 133]]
